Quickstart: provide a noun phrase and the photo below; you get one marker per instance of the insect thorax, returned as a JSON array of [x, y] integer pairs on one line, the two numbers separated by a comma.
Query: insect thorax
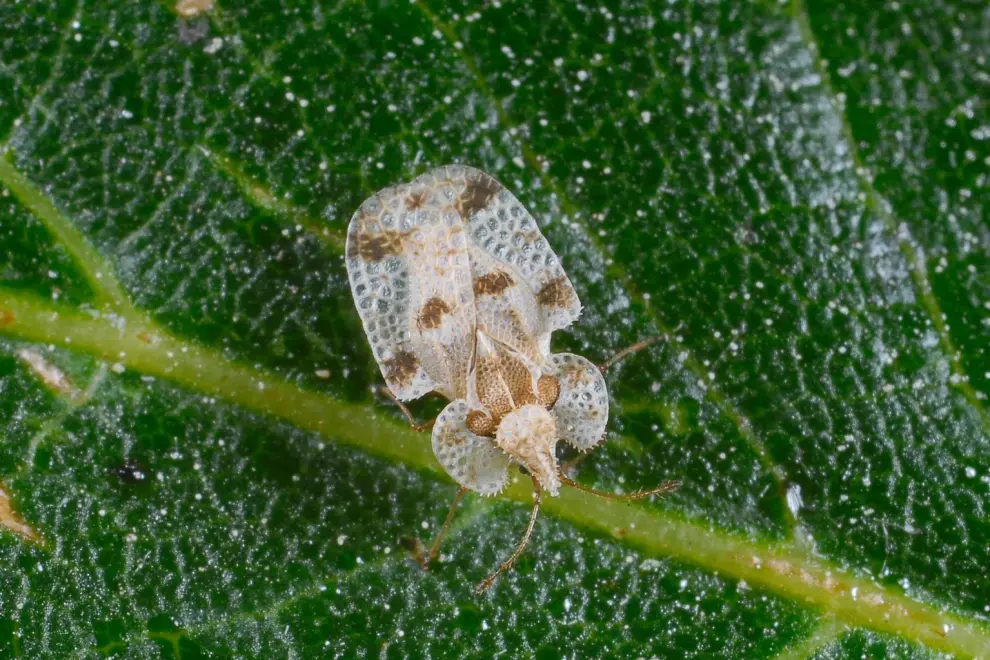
[[503, 380]]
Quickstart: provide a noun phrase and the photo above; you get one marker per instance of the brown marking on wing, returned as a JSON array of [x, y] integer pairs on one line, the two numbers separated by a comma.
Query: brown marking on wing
[[476, 196], [6, 318], [375, 247], [402, 368], [416, 200], [430, 316], [493, 283], [452, 437], [556, 293], [575, 375]]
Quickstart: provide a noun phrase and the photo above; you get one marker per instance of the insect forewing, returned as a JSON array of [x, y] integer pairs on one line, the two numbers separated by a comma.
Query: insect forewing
[[472, 460], [521, 291], [582, 407], [410, 273]]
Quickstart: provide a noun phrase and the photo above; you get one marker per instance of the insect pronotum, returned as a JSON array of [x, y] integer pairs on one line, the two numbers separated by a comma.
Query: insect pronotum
[[459, 292]]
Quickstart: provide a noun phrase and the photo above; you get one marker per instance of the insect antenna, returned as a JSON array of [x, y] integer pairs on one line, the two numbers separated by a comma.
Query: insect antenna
[[635, 348], [523, 542], [665, 487], [626, 352]]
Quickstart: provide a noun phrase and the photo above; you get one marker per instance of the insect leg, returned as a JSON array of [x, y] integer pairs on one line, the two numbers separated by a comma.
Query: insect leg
[[626, 352], [435, 550], [425, 426], [665, 487], [507, 564]]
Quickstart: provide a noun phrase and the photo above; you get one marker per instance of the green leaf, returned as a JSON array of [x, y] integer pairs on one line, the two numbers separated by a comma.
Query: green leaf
[[795, 197]]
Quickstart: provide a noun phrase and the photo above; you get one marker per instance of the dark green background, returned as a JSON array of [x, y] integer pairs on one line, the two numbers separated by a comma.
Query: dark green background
[[797, 197]]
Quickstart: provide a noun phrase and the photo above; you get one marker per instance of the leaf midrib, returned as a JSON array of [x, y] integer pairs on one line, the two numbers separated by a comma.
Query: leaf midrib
[[910, 249]]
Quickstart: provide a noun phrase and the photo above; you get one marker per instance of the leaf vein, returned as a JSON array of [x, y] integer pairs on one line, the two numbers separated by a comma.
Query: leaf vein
[[912, 250]]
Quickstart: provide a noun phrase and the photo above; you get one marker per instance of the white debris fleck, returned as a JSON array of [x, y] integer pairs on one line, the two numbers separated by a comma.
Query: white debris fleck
[[794, 499], [649, 565], [52, 377], [215, 44]]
